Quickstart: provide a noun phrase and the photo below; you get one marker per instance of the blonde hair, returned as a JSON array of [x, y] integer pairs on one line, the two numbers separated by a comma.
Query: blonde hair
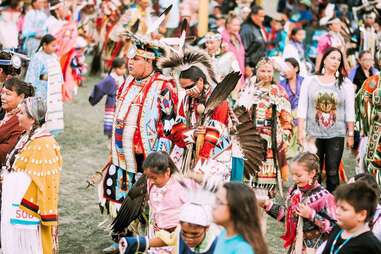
[[230, 17]]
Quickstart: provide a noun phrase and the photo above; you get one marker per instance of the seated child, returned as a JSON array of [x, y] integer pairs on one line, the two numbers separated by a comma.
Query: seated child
[[356, 204]]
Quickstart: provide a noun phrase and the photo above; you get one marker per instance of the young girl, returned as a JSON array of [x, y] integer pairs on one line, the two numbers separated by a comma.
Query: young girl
[[166, 194], [44, 72], [310, 208], [109, 86], [236, 210]]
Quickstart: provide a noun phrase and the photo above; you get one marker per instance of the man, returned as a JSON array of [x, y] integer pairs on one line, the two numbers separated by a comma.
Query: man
[[254, 38], [201, 140], [194, 235], [144, 115]]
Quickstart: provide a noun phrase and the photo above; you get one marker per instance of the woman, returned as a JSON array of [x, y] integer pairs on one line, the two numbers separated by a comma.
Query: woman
[[34, 27], [44, 72], [233, 40], [8, 68], [224, 61], [291, 85], [363, 70], [12, 94], [236, 210], [326, 112], [31, 185], [295, 48], [273, 121]]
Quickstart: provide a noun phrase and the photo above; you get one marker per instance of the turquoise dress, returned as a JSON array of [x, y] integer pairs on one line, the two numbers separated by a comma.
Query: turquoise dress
[[232, 245], [34, 26], [39, 66]]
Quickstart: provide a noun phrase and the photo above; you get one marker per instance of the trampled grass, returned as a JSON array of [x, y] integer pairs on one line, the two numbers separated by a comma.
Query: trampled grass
[[85, 150]]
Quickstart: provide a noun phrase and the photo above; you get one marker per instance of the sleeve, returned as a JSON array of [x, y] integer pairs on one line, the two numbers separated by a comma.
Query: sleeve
[[179, 128], [43, 164], [349, 94], [10, 142], [249, 42], [106, 86], [168, 101], [33, 73], [325, 218], [285, 115], [276, 211], [214, 128], [303, 99]]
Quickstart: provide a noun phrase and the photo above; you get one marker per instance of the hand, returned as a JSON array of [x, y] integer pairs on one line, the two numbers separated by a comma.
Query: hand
[[248, 72], [263, 202], [201, 130], [350, 141], [304, 211]]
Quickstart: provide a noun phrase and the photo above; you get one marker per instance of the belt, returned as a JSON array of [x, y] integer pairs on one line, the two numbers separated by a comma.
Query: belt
[[261, 122]]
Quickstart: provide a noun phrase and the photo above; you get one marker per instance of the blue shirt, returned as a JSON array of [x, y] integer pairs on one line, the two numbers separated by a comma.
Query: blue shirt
[[232, 245]]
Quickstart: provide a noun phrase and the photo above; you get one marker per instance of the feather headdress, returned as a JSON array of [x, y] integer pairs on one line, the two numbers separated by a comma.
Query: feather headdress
[[191, 56]]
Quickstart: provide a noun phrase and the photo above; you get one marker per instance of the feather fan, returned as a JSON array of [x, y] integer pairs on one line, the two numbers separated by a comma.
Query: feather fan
[[253, 146]]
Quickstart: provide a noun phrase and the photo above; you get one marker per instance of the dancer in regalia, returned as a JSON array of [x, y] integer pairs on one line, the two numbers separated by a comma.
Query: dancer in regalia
[[369, 100], [272, 116], [44, 72], [140, 126], [29, 211], [200, 134], [34, 27]]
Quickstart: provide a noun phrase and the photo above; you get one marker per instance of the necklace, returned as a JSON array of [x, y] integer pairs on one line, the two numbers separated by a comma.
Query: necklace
[[333, 251]]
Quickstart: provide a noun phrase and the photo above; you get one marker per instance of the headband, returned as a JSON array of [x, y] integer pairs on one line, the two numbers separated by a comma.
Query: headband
[[15, 62], [134, 51]]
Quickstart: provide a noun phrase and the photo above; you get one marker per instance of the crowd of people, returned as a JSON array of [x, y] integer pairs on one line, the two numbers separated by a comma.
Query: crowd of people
[[212, 109]]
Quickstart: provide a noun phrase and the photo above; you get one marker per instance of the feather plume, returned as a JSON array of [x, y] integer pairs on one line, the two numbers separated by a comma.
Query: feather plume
[[132, 206], [160, 20], [191, 57], [222, 91]]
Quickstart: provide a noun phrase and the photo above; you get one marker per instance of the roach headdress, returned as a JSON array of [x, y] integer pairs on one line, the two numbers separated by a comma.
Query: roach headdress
[[191, 56]]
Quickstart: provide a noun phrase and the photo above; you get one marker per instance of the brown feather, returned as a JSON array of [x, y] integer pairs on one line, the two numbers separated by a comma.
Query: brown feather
[[222, 91]]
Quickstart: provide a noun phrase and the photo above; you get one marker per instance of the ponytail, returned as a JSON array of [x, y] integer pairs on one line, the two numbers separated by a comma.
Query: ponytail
[[46, 39]]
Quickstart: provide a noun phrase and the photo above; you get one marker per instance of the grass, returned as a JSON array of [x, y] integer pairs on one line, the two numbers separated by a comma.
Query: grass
[[85, 150]]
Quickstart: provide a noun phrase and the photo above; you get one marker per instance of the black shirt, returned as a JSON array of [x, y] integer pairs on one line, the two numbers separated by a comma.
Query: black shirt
[[360, 77], [365, 243]]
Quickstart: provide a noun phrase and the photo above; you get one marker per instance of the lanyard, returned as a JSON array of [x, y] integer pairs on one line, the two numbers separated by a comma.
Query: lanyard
[[332, 251]]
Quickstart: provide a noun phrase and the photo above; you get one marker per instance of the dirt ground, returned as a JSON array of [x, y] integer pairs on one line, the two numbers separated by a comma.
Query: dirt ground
[[85, 150]]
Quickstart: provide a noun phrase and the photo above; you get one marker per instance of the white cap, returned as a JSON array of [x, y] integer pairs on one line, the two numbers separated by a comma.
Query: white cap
[[195, 213]]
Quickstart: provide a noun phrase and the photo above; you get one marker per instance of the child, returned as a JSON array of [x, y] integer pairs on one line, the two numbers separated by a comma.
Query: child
[[194, 235], [356, 204], [166, 195], [109, 86], [375, 224], [310, 208], [236, 210]]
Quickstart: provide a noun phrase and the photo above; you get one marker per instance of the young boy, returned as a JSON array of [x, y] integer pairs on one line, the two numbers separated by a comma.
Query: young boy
[[355, 207]]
